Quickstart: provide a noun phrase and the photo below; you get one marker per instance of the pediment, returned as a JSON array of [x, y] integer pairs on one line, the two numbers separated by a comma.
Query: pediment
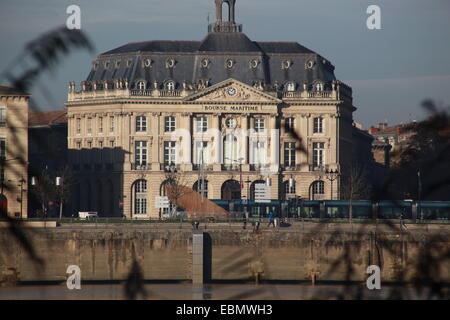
[[232, 91]]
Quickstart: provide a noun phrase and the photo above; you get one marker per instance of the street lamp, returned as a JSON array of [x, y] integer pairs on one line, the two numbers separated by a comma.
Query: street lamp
[[332, 175], [59, 183]]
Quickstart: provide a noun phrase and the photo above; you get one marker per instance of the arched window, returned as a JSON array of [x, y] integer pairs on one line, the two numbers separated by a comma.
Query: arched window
[[253, 188], [290, 86], [170, 85], [231, 190], [141, 85], [203, 189], [164, 191], [289, 187], [318, 86], [317, 190], [140, 197]]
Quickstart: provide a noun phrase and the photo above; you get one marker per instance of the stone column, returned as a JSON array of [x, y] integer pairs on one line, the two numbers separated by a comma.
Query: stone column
[[216, 147], [245, 138], [155, 132], [274, 144]]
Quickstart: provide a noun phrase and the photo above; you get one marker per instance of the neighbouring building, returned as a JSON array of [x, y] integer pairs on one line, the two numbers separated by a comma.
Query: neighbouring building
[[47, 143], [13, 151], [389, 142], [226, 110]]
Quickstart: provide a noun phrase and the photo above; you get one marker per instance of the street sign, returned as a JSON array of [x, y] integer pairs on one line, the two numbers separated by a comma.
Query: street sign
[[262, 193], [162, 202]]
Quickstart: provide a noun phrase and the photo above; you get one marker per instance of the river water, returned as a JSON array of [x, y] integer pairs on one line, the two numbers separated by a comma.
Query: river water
[[186, 291]]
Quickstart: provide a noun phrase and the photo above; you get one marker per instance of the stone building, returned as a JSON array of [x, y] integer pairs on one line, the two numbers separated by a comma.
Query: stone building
[[13, 151], [226, 111], [389, 141]]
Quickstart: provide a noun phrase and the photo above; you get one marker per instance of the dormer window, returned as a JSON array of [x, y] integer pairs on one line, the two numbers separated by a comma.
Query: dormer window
[[290, 86], [287, 64], [95, 65], [128, 63], [170, 63], [318, 86], [141, 85], [170, 85], [205, 63], [229, 64], [309, 64], [117, 65], [147, 63], [254, 64], [106, 65]]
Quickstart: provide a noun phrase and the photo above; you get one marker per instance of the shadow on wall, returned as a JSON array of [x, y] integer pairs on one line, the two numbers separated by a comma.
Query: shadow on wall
[[98, 181]]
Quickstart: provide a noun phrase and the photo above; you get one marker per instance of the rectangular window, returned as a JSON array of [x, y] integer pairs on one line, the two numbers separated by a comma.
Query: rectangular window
[[112, 144], [141, 124], [259, 153], [259, 125], [100, 124], [78, 145], [318, 155], [100, 144], [318, 125], [169, 153], [141, 197], [78, 125], [289, 125], [111, 124], [201, 124], [2, 117], [201, 154], [169, 124], [289, 154], [2, 148], [89, 126], [141, 153]]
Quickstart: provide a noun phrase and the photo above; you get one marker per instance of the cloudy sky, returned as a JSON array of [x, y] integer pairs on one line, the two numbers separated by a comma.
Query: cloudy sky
[[391, 70]]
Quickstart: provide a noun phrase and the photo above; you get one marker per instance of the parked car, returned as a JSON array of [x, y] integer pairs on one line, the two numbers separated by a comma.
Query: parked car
[[87, 215]]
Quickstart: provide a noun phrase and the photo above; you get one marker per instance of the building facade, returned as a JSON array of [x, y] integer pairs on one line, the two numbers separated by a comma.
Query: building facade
[[226, 111], [14, 151], [47, 155]]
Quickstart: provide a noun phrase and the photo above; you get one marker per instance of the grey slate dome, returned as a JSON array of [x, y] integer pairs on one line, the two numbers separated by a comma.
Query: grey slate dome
[[226, 52]]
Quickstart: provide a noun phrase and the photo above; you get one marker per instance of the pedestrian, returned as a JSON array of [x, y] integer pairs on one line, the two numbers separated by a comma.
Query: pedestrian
[[245, 220], [271, 220], [402, 222]]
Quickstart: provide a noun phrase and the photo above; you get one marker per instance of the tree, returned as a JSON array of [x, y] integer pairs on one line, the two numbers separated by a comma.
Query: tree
[[176, 186], [64, 188], [44, 189], [355, 185], [423, 171]]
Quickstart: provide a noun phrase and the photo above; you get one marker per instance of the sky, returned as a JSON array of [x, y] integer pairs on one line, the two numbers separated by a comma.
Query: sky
[[391, 70]]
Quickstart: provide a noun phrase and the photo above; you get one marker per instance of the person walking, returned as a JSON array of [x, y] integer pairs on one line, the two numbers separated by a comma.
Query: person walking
[[403, 226], [271, 220]]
